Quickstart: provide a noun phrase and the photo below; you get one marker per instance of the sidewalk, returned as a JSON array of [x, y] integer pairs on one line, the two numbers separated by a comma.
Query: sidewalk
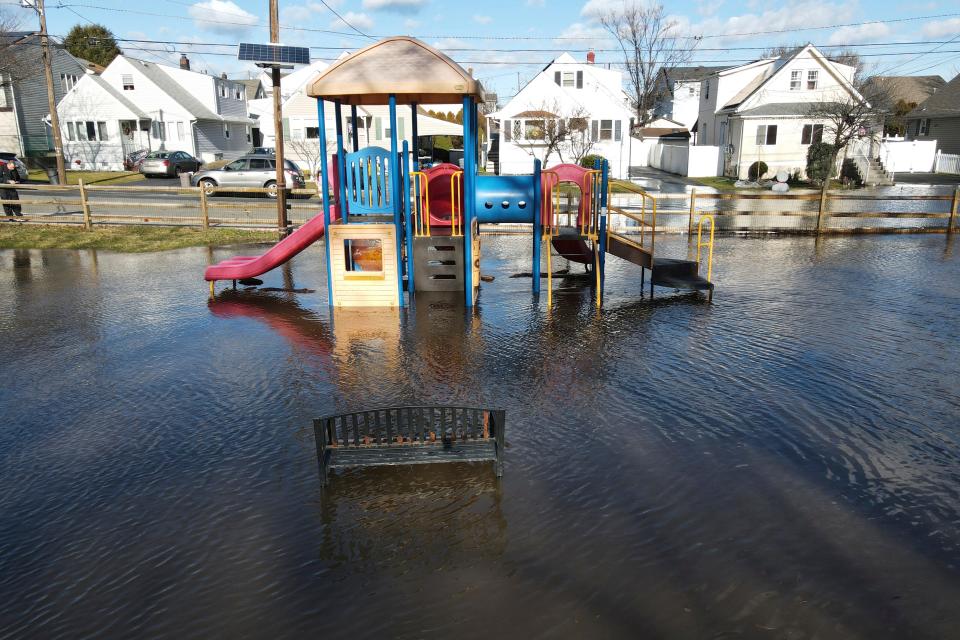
[[947, 179]]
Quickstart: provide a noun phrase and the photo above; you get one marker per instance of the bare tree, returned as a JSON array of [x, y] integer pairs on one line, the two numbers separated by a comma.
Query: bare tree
[[11, 67], [307, 150], [649, 41], [550, 129], [578, 140]]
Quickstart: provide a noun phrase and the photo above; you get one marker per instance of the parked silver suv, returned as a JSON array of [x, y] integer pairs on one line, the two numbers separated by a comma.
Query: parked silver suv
[[250, 171]]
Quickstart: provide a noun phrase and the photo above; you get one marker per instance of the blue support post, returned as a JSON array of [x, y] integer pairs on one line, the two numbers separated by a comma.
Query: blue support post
[[468, 198], [604, 179], [325, 196], [341, 159], [396, 197], [602, 260], [408, 219], [416, 144], [356, 134], [537, 231]]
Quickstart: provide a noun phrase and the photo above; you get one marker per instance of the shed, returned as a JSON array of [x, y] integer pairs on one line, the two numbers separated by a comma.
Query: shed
[[405, 67]]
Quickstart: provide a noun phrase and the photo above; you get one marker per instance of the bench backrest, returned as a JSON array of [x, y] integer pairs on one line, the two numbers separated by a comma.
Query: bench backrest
[[410, 425]]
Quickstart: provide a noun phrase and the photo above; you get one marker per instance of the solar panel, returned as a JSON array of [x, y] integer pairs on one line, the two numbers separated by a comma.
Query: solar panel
[[273, 54]]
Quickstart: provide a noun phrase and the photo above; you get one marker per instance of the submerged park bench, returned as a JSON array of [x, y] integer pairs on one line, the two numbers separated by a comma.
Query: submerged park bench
[[409, 435]]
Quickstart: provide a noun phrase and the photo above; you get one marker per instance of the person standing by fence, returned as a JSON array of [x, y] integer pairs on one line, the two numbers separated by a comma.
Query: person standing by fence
[[9, 175]]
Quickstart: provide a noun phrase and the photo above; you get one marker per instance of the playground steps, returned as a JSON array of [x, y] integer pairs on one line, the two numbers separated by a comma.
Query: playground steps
[[630, 252], [438, 263], [679, 274]]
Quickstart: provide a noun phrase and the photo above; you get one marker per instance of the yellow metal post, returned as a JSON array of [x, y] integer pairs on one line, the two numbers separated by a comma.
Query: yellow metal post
[[211, 290], [708, 244], [85, 205]]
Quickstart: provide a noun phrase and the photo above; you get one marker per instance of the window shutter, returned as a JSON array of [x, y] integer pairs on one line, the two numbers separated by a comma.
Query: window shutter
[[286, 128], [594, 130], [556, 77], [400, 131], [617, 131], [579, 79], [761, 135], [507, 131], [378, 126]]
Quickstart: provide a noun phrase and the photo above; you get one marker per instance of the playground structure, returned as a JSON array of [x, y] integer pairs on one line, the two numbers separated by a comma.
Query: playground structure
[[392, 230]]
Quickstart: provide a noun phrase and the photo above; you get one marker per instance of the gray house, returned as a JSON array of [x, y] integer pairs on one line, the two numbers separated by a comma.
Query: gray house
[[24, 128], [938, 118]]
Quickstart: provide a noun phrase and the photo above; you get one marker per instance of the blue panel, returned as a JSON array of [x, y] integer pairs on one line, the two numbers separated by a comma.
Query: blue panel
[[273, 53], [325, 196], [368, 182], [505, 198]]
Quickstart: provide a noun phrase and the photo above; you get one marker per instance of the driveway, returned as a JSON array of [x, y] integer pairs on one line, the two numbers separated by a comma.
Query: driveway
[[946, 179], [652, 179]]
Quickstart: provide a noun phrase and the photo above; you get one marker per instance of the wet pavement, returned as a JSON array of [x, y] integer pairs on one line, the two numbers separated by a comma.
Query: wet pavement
[[783, 462]]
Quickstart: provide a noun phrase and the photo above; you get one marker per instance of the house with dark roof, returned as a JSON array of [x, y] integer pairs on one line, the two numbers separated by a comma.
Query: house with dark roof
[[135, 104], [938, 118], [23, 93], [760, 112], [677, 93]]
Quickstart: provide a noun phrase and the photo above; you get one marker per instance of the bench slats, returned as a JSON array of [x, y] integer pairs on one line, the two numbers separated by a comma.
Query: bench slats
[[401, 435]]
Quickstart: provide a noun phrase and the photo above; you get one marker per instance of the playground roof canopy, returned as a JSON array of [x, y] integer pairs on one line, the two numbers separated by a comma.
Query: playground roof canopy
[[409, 69]]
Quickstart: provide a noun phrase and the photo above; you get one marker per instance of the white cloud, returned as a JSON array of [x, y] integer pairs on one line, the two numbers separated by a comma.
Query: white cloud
[[586, 35], [482, 19], [860, 33], [359, 20], [536, 3], [793, 16], [410, 23], [596, 8], [707, 8], [942, 28], [396, 6], [221, 16], [297, 13]]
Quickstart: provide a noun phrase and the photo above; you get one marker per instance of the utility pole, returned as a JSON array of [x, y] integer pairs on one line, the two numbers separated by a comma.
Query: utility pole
[[278, 125], [51, 99]]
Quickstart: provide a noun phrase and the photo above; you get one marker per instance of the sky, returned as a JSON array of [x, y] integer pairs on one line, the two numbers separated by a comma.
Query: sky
[[507, 42]]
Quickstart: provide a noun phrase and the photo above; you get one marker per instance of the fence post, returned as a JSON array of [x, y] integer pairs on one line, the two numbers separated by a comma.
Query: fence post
[[85, 205], [952, 222], [693, 205], [822, 212], [204, 213]]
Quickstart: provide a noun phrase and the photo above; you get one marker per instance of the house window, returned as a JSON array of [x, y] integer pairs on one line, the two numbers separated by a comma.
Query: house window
[[691, 90], [533, 129], [91, 128], [568, 79], [237, 93], [248, 133], [313, 133], [180, 131], [706, 90], [795, 80], [102, 131], [923, 126], [812, 134], [812, 78], [766, 135], [606, 129], [507, 131], [71, 131], [223, 90], [67, 80], [127, 81], [226, 131], [158, 130]]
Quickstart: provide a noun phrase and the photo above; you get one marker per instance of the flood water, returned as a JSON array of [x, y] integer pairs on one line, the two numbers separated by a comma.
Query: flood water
[[783, 462]]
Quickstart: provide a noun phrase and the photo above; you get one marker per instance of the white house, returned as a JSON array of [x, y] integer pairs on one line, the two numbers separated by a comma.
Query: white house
[[135, 104], [759, 111], [581, 98], [678, 93], [301, 132]]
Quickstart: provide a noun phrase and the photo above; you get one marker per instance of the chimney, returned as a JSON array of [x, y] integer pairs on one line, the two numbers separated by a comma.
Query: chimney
[[591, 57], [184, 62], [223, 76]]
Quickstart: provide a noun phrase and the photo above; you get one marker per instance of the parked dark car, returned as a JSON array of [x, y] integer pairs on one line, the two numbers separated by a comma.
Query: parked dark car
[[168, 163], [250, 171], [134, 159]]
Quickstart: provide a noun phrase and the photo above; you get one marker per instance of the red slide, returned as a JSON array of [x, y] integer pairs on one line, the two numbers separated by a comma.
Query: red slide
[[240, 267]]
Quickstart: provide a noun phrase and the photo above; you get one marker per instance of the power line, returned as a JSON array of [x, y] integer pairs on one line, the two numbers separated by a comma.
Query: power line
[[344, 20]]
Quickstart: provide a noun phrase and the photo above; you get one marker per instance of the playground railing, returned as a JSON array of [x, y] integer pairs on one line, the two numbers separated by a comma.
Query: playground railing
[[645, 219], [550, 203], [456, 197], [590, 224], [421, 203]]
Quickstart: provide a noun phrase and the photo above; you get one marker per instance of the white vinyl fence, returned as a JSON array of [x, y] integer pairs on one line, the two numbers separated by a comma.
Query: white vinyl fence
[[908, 156], [947, 163], [685, 160]]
